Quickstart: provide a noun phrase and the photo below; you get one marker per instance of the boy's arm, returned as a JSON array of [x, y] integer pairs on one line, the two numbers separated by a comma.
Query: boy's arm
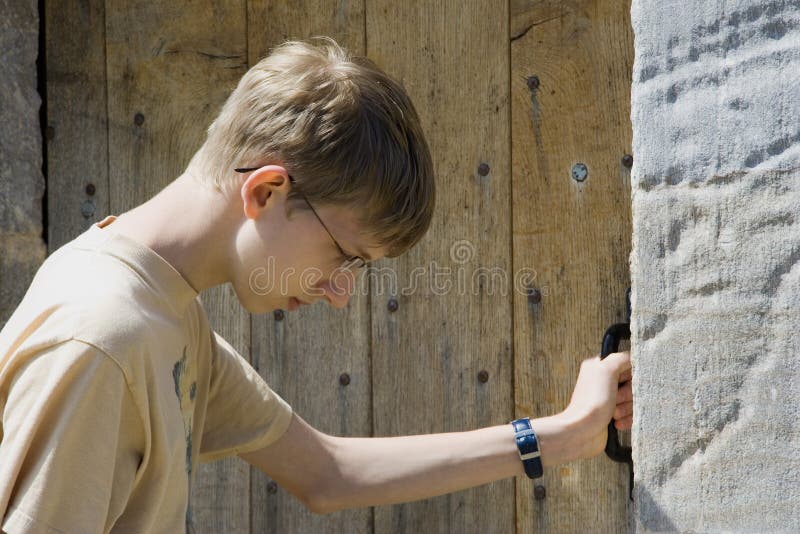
[[330, 473], [71, 441]]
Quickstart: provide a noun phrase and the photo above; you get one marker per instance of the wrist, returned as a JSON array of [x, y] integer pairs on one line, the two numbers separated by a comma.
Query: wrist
[[560, 439]]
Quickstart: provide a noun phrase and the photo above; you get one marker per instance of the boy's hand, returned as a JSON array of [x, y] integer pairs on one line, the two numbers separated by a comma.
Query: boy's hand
[[602, 392]]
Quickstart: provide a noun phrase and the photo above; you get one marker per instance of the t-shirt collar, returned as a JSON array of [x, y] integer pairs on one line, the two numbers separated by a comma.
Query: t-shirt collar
[[154, 269]]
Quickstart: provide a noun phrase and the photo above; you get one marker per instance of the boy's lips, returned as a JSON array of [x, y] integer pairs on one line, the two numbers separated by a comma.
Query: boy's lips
[[295, 303]]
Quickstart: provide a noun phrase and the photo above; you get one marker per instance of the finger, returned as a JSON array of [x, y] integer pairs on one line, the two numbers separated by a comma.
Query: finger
[[623, 410], [625, 376], [624, 424], [619, 361], [625, 392]]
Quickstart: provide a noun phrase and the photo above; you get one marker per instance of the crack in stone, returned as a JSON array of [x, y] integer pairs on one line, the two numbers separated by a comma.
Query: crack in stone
[[775, 277], [652, 326], [709, 288], [775, 148]]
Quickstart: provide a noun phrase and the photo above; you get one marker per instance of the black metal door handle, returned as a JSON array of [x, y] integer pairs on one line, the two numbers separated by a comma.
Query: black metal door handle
[[611, 339], [614, 334]]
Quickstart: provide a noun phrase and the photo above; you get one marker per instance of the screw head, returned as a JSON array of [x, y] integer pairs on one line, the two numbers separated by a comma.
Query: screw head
[[627, 160], [483, 169], [278, 315], [483, 376], [272, 487], [534, 295], [87, 209], [90, 189], [539, 492], [392, 305], [533, 82], [138, 119], [579, 172], [344, 379]]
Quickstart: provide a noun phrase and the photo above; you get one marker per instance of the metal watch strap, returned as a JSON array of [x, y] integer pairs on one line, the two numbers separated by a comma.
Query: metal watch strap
[[528, 447]]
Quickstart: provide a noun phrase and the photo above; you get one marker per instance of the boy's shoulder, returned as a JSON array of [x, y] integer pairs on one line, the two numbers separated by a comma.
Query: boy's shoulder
[[86, 294]]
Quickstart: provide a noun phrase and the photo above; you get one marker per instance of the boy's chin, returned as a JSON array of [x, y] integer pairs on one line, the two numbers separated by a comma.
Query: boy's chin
[[259, 304]]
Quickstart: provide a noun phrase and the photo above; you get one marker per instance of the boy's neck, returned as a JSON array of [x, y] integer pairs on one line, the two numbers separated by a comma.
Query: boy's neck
[[190, 226]]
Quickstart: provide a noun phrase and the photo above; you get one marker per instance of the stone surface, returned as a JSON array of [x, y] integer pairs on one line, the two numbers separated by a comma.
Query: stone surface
[[21, 180], [715, 265]]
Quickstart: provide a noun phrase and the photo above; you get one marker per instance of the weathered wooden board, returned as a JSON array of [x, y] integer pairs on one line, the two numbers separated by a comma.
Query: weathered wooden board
[[76, 134], [574, 235], [166, 68], [453, 58], [304, 354], [170, 68], [271, 23]]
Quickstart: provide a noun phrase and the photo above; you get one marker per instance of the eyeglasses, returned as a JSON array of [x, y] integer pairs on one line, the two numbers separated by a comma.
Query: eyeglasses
[[351, 262]]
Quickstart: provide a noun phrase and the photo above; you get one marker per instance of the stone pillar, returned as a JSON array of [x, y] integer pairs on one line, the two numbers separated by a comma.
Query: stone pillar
[[22, 249], [715, 265]]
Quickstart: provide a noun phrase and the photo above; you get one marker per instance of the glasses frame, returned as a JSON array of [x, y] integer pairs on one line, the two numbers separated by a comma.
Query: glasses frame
[[351, 262]]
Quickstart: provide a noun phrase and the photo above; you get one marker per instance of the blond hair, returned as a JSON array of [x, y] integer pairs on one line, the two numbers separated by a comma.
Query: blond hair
[[346, 132]]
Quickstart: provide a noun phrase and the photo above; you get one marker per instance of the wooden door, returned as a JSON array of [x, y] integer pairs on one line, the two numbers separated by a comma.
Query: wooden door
[[513, 95]]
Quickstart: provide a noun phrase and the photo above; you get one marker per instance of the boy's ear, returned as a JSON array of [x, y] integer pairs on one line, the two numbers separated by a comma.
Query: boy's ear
[[260, 185]]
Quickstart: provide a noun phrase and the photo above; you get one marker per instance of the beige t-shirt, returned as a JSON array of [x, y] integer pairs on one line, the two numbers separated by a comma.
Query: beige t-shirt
[[112, 387]]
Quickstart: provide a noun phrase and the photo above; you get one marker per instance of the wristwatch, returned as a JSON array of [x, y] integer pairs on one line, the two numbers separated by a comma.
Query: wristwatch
[[528, 447]]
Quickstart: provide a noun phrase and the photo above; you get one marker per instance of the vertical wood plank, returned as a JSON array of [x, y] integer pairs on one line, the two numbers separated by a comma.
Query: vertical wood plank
[[453, 58], [303, 355], [170, 67], [76, 137], [574, 235], [271, 23]]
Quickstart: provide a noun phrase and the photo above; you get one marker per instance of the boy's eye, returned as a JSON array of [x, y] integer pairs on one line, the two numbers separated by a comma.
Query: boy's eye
[[353, 263]]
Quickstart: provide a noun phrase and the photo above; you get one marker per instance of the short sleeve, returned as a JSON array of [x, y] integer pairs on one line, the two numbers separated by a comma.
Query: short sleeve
[[71, 442], [243, 412]]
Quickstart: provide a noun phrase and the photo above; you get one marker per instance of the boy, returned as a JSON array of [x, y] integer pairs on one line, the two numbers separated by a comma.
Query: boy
[[113, 385]]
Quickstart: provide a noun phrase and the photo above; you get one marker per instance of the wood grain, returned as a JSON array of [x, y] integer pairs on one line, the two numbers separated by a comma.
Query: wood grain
[[271, 23], [414, 370], [170, 68], [575, 236], [452, 57], [77, 140], [303, 355], [172, 65]]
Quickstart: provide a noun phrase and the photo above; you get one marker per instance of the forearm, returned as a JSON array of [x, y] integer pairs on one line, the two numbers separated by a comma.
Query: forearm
[[373, 471]]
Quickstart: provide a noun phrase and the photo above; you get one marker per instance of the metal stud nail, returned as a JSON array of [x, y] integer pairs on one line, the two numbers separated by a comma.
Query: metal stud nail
[[539, 492], [278, 315], [534, 295], [272, 488], [627, 160], [533, 82], [87, 209], [483, 169], [138, 119], [344, 379], [392, 305], [483, 376], [90, 189], [579, 172]]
